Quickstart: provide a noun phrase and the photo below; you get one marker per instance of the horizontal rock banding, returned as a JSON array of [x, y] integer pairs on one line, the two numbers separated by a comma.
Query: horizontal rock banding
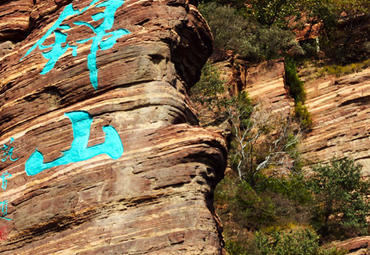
[[155, 199], [340, 110]]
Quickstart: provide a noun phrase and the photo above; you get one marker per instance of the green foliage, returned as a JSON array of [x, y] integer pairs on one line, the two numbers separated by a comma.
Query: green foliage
[[259, 139], [274, 210], [340, 209], [205, 91], [295, 85], [338, 70], [330, 11], [270, 12], [272, 202], [262, 29], [245, 36], [293, 187], [292, 242], [342, 38], [301, 241], [296, 90], [310, 48], [254, 210], [235, 248], [347, 43], [303, 116], [332, 251]]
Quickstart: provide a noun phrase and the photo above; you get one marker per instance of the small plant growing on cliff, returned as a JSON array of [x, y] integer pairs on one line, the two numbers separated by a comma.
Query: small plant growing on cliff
[[206, 90], [296, 90], [295, 85], [340, 209], [260, 140], [303, 116]]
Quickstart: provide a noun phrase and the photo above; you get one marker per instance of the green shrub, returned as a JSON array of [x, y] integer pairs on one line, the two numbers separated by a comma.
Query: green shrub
[[235, 248], [338, 70], [340, 208], [303, 116], [272, 202], [332, 251], [292, 242], [346, 42], [295, 85], [292, 187], [296, 90], [245, 36], [310, 47], [205, 91]]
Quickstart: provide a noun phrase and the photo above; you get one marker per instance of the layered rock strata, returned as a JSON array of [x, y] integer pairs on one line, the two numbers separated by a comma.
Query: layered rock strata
[[263, 82], [340, 110], [156, 196]]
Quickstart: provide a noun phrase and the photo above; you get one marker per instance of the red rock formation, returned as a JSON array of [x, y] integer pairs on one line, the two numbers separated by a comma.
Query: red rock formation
[[339, 108], [263, 82], [341, 119], [157, 197], [355, 246]]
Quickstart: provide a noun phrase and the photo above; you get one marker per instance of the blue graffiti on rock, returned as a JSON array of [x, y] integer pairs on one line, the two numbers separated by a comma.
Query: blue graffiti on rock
[[102, 40], [7, 152], [4, 210], [79, 151]]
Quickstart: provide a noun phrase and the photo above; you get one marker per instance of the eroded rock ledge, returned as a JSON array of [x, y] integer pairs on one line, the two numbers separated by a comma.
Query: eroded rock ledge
[[341, 119], [157, 197]]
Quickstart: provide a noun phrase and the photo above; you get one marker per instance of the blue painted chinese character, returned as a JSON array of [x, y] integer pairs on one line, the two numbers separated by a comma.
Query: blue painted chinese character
[[102, 40], [4, 180], [4, 210], [8, 151], [81, 123]]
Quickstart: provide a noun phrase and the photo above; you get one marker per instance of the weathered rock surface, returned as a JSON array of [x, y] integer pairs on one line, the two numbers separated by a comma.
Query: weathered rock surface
[[157, 197], [15, 18], [339, 107], [263, 82], [340, 110], [355, 246]]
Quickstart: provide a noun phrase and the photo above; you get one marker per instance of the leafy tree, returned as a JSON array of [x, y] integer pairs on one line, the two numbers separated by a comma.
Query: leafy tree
[[245, 36], [340, 207], [270, 12], [341, 38]]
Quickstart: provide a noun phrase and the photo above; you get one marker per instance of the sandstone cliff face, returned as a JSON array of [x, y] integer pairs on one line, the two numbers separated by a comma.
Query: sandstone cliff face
[[86, 195], [340, 110], [263, 82], [339, 107]]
